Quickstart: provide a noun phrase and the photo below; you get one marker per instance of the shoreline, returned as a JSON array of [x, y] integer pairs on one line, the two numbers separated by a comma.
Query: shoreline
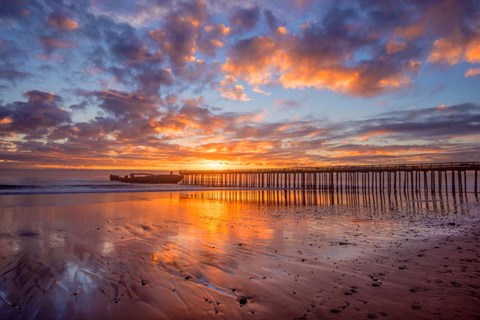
[[409, 194]]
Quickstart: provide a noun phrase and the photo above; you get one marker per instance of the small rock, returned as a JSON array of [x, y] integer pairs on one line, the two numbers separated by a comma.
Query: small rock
[[243, 300], [416, 306]]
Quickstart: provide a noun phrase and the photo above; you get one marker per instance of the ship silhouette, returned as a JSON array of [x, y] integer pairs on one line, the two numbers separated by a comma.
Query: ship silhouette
[[140, 177]]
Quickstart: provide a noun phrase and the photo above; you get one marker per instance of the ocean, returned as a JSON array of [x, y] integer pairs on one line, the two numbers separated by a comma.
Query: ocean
[[58, 181]]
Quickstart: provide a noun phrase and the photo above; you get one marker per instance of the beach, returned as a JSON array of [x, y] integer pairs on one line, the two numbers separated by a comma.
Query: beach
[[233, 254]]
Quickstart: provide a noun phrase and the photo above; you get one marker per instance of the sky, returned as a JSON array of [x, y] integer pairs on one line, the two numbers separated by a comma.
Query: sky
[[165, 84]]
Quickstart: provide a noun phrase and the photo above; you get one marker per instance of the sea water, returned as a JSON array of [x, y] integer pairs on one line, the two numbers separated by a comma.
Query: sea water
[[54, 181]]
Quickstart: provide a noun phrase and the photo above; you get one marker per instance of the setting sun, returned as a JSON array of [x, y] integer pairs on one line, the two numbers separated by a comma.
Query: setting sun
[[215, 165]]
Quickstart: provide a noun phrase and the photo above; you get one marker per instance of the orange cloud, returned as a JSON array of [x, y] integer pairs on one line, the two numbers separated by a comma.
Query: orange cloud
[[445, 51], [5, 120], [336, 79], [453, 51], [472, 72], [63, 23], [373, 133], [219, 29], [282, 30], [236, 147], [400, 37], [265, 60], [232, 91], [409, 32], [55, 43], [394, 46], [261, 58], [472, 51]]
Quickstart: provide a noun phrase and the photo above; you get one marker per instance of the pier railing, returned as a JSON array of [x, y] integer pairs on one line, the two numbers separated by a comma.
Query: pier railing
[[447, 176]]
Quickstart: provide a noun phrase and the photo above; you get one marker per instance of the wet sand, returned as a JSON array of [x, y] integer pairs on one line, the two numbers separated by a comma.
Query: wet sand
[[222, 255]]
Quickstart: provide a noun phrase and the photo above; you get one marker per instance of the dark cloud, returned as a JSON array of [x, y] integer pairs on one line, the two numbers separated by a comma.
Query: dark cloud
[[51, 44], [150, 81], [82, 106], [12, 74], [287, 104], [126, 46], [133, 61], [442, 122], [36, 117], [151, 59], [212, 38], [177, 38], [13, 8], [123, 105], [245, 19], [383, 16], [11, 60], [271, 20]]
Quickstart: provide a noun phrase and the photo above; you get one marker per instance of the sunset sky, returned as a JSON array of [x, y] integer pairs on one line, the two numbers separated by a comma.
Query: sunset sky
[[222, 84]]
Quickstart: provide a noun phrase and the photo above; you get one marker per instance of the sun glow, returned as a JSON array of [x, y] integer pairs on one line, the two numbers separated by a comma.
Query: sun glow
[[215, 165]]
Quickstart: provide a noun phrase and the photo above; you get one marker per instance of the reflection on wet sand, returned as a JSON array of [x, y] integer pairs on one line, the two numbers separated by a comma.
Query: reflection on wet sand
[[369, 202], [229, 254]]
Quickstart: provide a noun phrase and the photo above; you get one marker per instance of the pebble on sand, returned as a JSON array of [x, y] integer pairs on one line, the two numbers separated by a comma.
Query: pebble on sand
[[416, 306], [243, 300]]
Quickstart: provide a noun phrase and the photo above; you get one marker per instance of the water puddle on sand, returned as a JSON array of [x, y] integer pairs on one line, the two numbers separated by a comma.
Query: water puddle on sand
[[221, 253]]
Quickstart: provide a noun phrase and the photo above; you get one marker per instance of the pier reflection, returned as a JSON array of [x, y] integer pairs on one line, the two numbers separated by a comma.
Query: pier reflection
[[369, 201]]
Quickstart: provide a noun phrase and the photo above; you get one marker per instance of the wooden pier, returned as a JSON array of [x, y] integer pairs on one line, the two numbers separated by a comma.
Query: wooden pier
[[454, 177]]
